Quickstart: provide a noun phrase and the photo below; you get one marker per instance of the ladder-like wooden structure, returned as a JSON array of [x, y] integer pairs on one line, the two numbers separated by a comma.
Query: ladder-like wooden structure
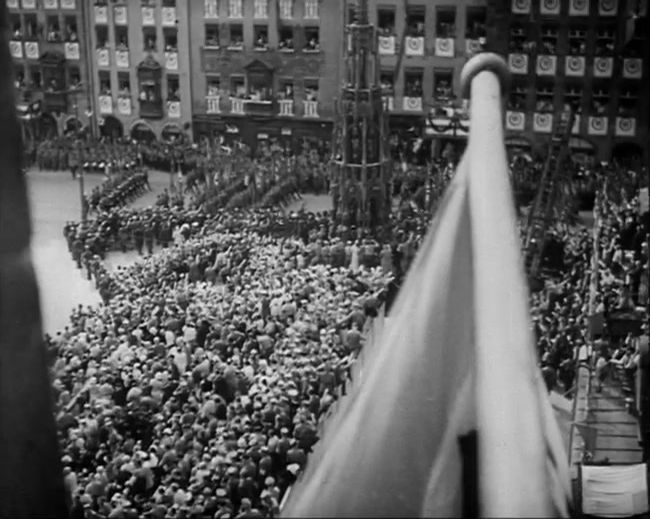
[[544, 211]]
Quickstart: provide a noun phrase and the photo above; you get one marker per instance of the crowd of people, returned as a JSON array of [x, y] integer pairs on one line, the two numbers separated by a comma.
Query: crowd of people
[[196, 388]]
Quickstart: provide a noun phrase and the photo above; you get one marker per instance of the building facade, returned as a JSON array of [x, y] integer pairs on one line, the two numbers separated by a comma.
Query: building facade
[[265, 69], [423, 45], [141, 68], [48, 46], [588, 55]]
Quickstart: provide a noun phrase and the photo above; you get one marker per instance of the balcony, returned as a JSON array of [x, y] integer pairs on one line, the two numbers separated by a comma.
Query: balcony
[[542, 122], [597, 126], [237, 105], [603, 66], [55, 101], [473, 46], [171, 60], [625, 127], [16, 49], [105, 104], [101, 14], [389, 103], [151, 109], [122, 58], [310, 108], [632, 68], [546, 65], [124, 105], [258, 107], [575, 66], [386, 45], [518, 63], [412, 104], [169, 17], [286, 107], [515, 120], [29, 4], [174, 109], [148, 16], [445, 47], [212, 104], [414, 46]]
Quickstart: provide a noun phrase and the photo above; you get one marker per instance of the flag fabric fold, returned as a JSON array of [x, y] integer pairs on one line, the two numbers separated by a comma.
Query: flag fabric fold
[[456, 355]]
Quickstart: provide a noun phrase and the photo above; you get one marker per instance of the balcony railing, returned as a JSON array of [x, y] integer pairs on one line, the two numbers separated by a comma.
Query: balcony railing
[[122, 58], [518, 63], [603, 66], [101, 14], [16, 49], [515, 120], [103, 57], [389, 103], [286, 107], [412, 104], [174, 109], [632, 68], [625, 127], [212, 104], [445, 47], [542, 122], [105, 105], [55, 101], [310, 108], [414, 46], [236, 105], [597, 126], [151, 109], [575, 66], [171, 60], [169, 17], [124, 106], [259, 107], [546, 65], [386, 45]]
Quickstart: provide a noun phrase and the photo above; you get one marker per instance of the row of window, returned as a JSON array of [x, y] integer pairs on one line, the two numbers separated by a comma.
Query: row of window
[[36, 77], [259, 89], [149, 38], [445, 25], [57, 28], [43, 4], [258, 8], [290, 39]]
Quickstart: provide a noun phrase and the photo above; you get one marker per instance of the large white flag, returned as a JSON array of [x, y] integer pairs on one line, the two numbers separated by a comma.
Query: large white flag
[[456, 356]]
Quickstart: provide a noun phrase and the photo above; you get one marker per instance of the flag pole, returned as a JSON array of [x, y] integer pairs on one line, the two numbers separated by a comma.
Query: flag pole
[[499, 276]]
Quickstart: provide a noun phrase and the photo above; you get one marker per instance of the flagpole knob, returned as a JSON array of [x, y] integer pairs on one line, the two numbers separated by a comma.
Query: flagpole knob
[[482, 62]]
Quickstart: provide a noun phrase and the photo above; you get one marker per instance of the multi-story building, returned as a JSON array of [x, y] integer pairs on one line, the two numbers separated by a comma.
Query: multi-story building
[[265, 68], [591, 56], [47, 44], [141, 67], [423, 45]]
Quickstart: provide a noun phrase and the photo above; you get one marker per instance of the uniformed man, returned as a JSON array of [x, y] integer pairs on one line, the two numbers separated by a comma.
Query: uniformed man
[[138, 236], [149, 235]]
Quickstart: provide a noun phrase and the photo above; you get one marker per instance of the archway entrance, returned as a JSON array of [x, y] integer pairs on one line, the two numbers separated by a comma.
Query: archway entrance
[[48, 126], [142, 132], [72, 126], [112, 128], [171, 132]]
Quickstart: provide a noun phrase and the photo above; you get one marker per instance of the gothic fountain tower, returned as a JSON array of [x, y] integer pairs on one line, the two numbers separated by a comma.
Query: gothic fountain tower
[[361, 166]]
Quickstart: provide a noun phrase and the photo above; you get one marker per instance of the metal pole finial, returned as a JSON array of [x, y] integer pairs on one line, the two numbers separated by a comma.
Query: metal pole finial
[[482, 62]]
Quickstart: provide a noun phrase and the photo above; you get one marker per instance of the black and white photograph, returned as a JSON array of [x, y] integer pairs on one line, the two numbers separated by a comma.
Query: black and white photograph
[[268, 259]]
